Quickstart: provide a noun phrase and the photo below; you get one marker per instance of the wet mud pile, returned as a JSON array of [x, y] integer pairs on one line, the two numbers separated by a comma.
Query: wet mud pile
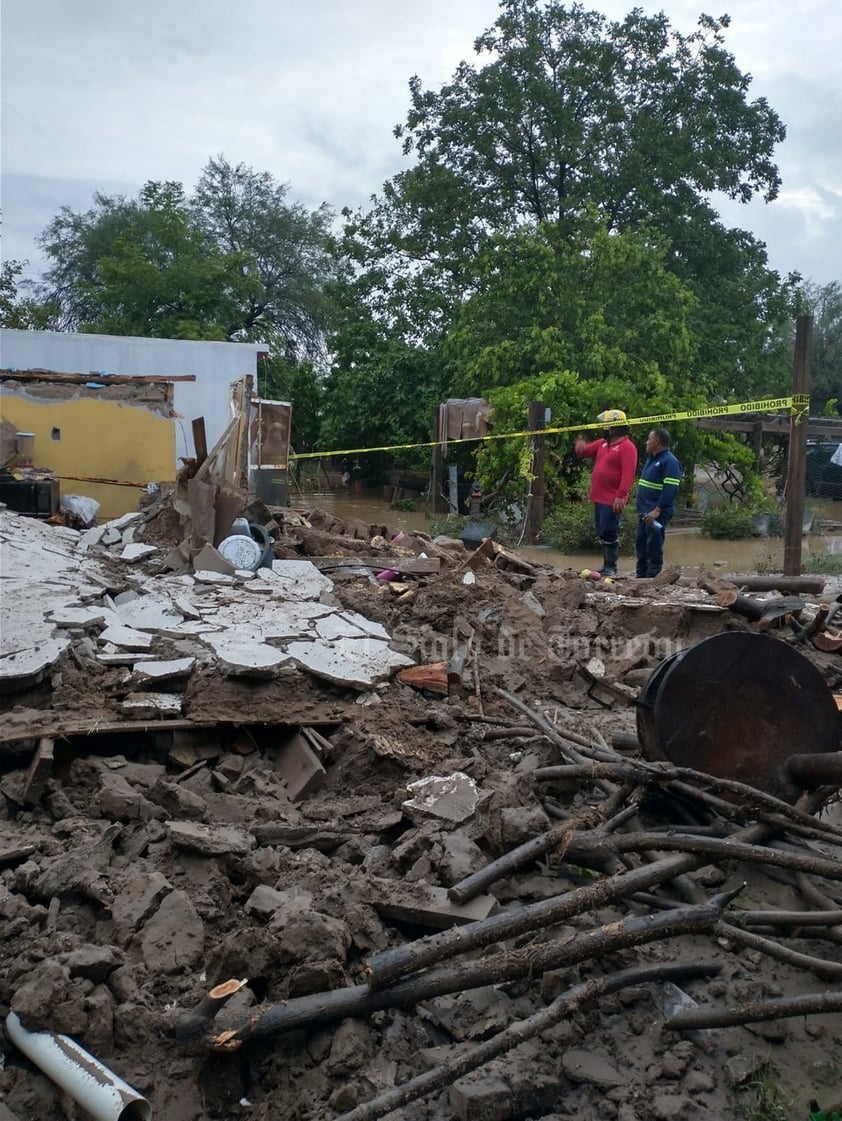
[[369, 833]]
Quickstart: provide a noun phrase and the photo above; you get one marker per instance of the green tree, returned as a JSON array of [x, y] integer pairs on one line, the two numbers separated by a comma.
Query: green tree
[[566, 117], [235, 261], [16, 311], [604, 305], [141, 267], [284, 250], [381, 390], [824, 303]]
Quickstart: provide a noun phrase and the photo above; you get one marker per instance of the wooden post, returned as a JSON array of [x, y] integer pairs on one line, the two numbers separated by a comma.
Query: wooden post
[[200, 440], [437, 467], [796, 474], [535, 504], [757, 444]]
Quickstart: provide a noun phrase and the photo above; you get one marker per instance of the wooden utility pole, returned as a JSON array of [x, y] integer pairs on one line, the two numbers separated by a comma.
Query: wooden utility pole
[[797, 469], [535, 503], [437, 465]]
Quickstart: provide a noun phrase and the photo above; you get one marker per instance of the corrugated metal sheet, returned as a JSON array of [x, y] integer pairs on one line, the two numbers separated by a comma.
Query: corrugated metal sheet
[[215, 365]]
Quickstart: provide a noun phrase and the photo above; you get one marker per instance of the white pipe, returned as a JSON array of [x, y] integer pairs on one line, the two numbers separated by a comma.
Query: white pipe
[[101, 1092]]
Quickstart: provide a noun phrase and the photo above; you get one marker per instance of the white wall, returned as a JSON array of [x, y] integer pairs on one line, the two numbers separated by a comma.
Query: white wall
[[215, 365]]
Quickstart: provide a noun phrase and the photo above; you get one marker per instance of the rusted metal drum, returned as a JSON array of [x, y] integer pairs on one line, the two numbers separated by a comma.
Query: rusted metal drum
[[741, 705]]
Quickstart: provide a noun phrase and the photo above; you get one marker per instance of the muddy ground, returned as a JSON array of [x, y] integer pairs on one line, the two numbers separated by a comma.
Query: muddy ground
[[165, 850]]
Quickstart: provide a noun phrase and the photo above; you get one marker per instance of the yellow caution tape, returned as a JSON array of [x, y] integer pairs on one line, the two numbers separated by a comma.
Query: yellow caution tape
[[798, 404]]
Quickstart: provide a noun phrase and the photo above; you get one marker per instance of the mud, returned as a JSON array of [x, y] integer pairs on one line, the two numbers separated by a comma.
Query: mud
[[166, 855]]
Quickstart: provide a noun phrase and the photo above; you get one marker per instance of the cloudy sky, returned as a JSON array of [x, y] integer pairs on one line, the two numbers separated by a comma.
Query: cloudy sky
[[106, 94]]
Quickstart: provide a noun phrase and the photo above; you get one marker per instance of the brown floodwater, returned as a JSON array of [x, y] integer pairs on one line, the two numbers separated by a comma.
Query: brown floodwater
[[685, 546]]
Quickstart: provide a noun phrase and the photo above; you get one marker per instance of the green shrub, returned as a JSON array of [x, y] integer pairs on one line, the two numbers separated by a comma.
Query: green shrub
[[447, 525], [569, 527], [823, 564], [738, 520]]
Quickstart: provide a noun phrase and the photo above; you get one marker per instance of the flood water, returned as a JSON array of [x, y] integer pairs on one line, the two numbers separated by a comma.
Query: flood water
[[685, 547]]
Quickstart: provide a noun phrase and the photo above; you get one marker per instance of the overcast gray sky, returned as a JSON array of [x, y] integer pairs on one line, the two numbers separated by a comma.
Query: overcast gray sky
[[106, 94]]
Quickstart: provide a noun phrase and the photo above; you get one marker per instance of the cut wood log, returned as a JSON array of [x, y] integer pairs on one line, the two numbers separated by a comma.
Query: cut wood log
[[191, 1025], [829, 641], [432, 677], [810, 584]]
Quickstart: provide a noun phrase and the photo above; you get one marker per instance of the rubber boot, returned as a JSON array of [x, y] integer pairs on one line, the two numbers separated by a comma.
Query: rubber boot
[[610, 554]]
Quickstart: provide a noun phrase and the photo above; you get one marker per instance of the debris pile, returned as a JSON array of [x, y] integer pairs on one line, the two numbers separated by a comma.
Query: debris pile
[[299, 843]]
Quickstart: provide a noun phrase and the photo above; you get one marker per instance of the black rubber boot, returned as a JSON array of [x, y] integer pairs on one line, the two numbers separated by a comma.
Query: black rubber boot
[[610, 554]]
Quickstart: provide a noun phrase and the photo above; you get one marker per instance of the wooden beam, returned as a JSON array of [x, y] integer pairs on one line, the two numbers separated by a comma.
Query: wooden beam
[[200, 440], [797, 473], [437, 464], [102, 379], [536, 420]]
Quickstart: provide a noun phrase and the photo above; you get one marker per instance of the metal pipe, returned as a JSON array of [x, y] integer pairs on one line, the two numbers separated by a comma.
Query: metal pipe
[[104, 1095]]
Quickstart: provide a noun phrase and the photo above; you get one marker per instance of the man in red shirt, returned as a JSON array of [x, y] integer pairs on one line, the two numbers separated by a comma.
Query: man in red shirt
[[615, 465]]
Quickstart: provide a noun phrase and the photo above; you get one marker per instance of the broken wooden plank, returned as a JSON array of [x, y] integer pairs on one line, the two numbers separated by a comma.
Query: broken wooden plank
[[200, 440], [82, 379], [39, 771]]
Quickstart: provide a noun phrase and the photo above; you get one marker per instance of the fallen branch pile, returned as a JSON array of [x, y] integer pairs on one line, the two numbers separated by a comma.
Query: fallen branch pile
[[637, 859]]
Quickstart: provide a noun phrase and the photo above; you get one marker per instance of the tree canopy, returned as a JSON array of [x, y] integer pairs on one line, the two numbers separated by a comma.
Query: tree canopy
[[234, 261], [557, 215]]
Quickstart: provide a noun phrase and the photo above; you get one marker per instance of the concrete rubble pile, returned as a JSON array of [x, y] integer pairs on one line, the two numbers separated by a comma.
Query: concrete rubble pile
[[271, 841]]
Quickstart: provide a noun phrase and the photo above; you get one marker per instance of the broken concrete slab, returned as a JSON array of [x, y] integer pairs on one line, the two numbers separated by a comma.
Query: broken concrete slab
[[210, 840], [242, 657], [337, 625], [431, 907], [149, 613], [297, 579], [358, 662], [127, 637], [153, 704], [449, 797], [264, 901], [209, 559], [592, 1067], [299, 767], [219, 579], [134, 552], [85, 618], [109, 657], [165, 670], [138, 898], [174, 937]]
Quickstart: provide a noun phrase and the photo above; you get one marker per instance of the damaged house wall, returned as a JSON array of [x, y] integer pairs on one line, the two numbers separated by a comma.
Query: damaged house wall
[[215, 366], [123, 432]]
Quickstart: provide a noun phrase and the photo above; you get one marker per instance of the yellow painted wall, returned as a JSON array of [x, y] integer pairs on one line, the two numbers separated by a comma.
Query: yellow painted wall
[[99, 439]]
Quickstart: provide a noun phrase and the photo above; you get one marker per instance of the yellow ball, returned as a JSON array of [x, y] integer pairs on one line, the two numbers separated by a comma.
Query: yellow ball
[[585, 572], [608, 580]]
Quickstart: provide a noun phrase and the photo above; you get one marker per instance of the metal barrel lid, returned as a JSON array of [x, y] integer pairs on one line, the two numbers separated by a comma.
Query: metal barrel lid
[[738, 705]]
